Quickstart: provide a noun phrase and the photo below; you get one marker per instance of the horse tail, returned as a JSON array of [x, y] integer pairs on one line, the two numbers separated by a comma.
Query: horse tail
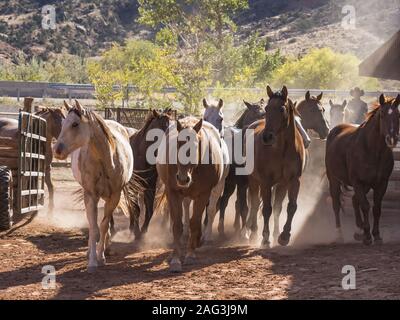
[[129, 204]]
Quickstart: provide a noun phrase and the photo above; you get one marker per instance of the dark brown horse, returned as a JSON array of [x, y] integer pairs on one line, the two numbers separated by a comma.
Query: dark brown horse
[[189, 178], [145, 172], [313, 115], [362, 157], [279, 156]]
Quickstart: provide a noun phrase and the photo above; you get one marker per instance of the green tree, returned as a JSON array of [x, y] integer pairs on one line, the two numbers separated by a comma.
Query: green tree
[[324, 69]]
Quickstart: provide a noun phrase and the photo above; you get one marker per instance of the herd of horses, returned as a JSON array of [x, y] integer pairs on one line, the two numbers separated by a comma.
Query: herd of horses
[[111, 162]]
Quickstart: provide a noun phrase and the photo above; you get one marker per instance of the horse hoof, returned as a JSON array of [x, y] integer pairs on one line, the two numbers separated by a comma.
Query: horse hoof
[[265, 245], [101, 262], [367, 241], [283, 240], [91, 269], [358, 237], [175, 266], [190, 260]]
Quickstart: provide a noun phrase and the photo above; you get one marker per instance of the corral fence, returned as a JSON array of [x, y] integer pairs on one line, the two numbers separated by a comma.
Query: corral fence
[[130, 117]]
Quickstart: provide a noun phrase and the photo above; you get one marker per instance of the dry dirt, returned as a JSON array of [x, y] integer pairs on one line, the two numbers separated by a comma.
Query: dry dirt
[[225, 270]]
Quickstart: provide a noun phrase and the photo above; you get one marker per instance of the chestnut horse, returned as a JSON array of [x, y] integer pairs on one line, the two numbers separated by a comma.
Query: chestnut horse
[[362, 157], [190, 163], [279, 158]]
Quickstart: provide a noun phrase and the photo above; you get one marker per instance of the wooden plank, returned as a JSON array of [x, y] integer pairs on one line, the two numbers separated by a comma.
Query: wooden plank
[[31, 209], [12, 163], [8, 142], [9, 152]]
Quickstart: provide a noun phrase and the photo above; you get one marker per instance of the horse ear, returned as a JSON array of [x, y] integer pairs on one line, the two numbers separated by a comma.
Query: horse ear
[[320, 96], [262, 101], [248, 105], [198, 126], [67, 106], [178, 126], [285, 93], [270, 92], [220, 104], [156, 114], [205, 104], [308, 95], [344, 103], [331, 103], [79, 107], [397, 101], [382, 99]]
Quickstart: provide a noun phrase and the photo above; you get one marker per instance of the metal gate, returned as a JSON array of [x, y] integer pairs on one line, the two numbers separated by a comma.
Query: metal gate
[[32, 163], [130, 117]]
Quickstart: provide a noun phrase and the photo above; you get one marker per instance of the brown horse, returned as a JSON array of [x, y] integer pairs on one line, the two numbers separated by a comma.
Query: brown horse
[[190, 163], [279, 156], [143, 169], [362, 157], [312, 115], [54, 117]]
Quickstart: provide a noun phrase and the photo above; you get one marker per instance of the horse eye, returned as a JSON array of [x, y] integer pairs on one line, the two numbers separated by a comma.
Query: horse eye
[[75, 124]]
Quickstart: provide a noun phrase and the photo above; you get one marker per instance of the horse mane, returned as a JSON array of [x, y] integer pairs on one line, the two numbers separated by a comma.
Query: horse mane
[[375, 108], [95, 118], [150, 117], [239, 121]]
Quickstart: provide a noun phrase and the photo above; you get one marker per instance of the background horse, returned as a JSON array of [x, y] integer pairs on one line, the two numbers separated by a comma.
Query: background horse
[[362, 157], [252, 113], [337, 113], [279, 156], [146, 172], [193, 179], [102, 163], [213, 114]]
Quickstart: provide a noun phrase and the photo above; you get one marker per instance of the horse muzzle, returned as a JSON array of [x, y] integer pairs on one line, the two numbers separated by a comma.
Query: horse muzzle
[[268, 138], [391, 141], [60, 151], [183, 181]]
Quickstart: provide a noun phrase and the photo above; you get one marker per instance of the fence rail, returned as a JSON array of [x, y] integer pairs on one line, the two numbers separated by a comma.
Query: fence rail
[[20, 89]]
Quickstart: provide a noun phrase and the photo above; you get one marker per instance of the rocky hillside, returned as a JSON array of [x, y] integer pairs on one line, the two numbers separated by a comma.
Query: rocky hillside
[[86, 27]]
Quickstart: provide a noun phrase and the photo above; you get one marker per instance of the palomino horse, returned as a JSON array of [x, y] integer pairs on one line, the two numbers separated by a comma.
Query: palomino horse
[[253, 112], [102, 163], [190, 163], [337, 113], [279, 156], [362, 157], [146, 172], [213, 114]]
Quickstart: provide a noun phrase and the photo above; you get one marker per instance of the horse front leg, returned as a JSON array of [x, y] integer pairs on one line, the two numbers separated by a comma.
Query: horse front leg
[[378, 196], [229, 188], [242, 208], [186, 217], [280, 193], [199, 205], [266, 194], [175, 210], [104, 242], [212, 210], [293, 192], [361, 194], [251, 224], [50, 186], [91, 214]]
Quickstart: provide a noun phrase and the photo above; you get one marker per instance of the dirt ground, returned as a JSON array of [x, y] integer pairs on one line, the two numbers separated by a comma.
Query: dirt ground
[[309, 269]]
